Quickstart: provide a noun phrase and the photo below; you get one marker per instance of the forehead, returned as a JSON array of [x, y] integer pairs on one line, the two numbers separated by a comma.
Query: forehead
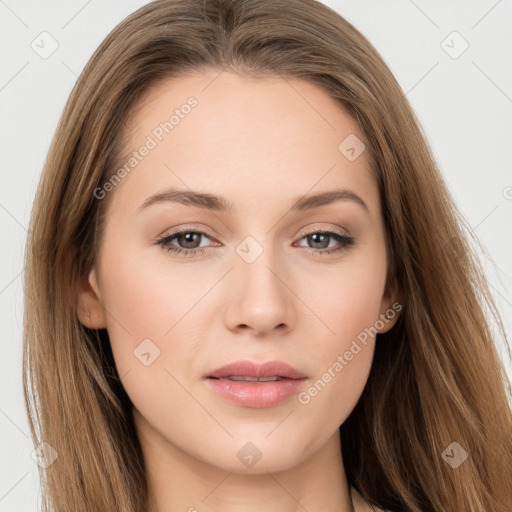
[[273, 137]]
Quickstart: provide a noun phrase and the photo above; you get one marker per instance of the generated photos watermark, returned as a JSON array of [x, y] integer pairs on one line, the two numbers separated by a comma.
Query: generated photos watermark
[[342, 361], [156, 136]]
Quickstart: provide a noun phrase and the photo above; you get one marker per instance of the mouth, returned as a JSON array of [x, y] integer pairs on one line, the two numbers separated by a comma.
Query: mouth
[[249, 384]]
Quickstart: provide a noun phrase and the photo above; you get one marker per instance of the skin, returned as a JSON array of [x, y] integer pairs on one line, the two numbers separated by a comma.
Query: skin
[[259, 143]]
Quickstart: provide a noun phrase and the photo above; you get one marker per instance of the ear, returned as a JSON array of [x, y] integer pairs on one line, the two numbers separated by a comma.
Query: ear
[[391, 305], [91, 312]]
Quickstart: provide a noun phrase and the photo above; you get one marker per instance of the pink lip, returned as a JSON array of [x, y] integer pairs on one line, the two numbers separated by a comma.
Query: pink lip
[[256, 394], [250, 369]]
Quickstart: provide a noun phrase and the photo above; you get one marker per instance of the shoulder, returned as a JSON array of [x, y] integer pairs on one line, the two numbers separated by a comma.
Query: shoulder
[[360, 505]]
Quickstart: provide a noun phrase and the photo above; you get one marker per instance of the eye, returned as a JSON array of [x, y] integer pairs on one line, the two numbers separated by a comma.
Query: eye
[[322, 239], [188, 238], [190, 242]]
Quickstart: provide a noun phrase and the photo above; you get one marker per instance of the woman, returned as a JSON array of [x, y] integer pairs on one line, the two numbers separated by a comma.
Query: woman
[[205, 353]]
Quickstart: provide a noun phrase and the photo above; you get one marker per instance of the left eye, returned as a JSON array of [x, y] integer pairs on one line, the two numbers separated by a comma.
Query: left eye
[[189, 241], [323, 238]]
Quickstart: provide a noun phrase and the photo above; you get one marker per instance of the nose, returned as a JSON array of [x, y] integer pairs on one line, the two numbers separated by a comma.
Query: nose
[[260, 299]]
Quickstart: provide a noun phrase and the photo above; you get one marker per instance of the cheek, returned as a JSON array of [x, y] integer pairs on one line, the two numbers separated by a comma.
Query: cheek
[[348, 308], [149, 312], [154, 328], [347, 298]]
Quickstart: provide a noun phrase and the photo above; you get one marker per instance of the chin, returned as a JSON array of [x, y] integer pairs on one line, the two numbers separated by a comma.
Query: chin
[[260, 455]]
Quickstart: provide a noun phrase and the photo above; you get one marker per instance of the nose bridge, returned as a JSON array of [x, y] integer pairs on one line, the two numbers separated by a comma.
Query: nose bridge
[[254, 266], [260, 299]]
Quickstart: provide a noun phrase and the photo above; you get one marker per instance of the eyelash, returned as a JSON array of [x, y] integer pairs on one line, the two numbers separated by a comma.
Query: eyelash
[[346, 242]]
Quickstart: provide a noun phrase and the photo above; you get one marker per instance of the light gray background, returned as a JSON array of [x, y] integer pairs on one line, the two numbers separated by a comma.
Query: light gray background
[[464, 104]]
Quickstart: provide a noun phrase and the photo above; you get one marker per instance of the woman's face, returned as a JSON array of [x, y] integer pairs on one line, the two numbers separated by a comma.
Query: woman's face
[[253, 282]]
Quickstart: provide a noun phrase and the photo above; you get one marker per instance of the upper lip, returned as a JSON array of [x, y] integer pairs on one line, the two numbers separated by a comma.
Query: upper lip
[[251, 369]]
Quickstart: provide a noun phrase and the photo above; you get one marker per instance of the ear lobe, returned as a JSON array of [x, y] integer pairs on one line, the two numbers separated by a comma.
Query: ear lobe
[[91, 312]]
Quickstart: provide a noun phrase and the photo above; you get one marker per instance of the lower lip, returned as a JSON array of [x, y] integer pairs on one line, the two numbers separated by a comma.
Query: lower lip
[[256, 394]]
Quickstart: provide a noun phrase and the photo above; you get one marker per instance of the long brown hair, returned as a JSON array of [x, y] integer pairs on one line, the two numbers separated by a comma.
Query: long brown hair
[[436, 379]]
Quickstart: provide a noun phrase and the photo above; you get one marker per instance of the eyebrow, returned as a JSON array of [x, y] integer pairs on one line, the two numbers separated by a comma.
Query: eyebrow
[[220, 204]]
